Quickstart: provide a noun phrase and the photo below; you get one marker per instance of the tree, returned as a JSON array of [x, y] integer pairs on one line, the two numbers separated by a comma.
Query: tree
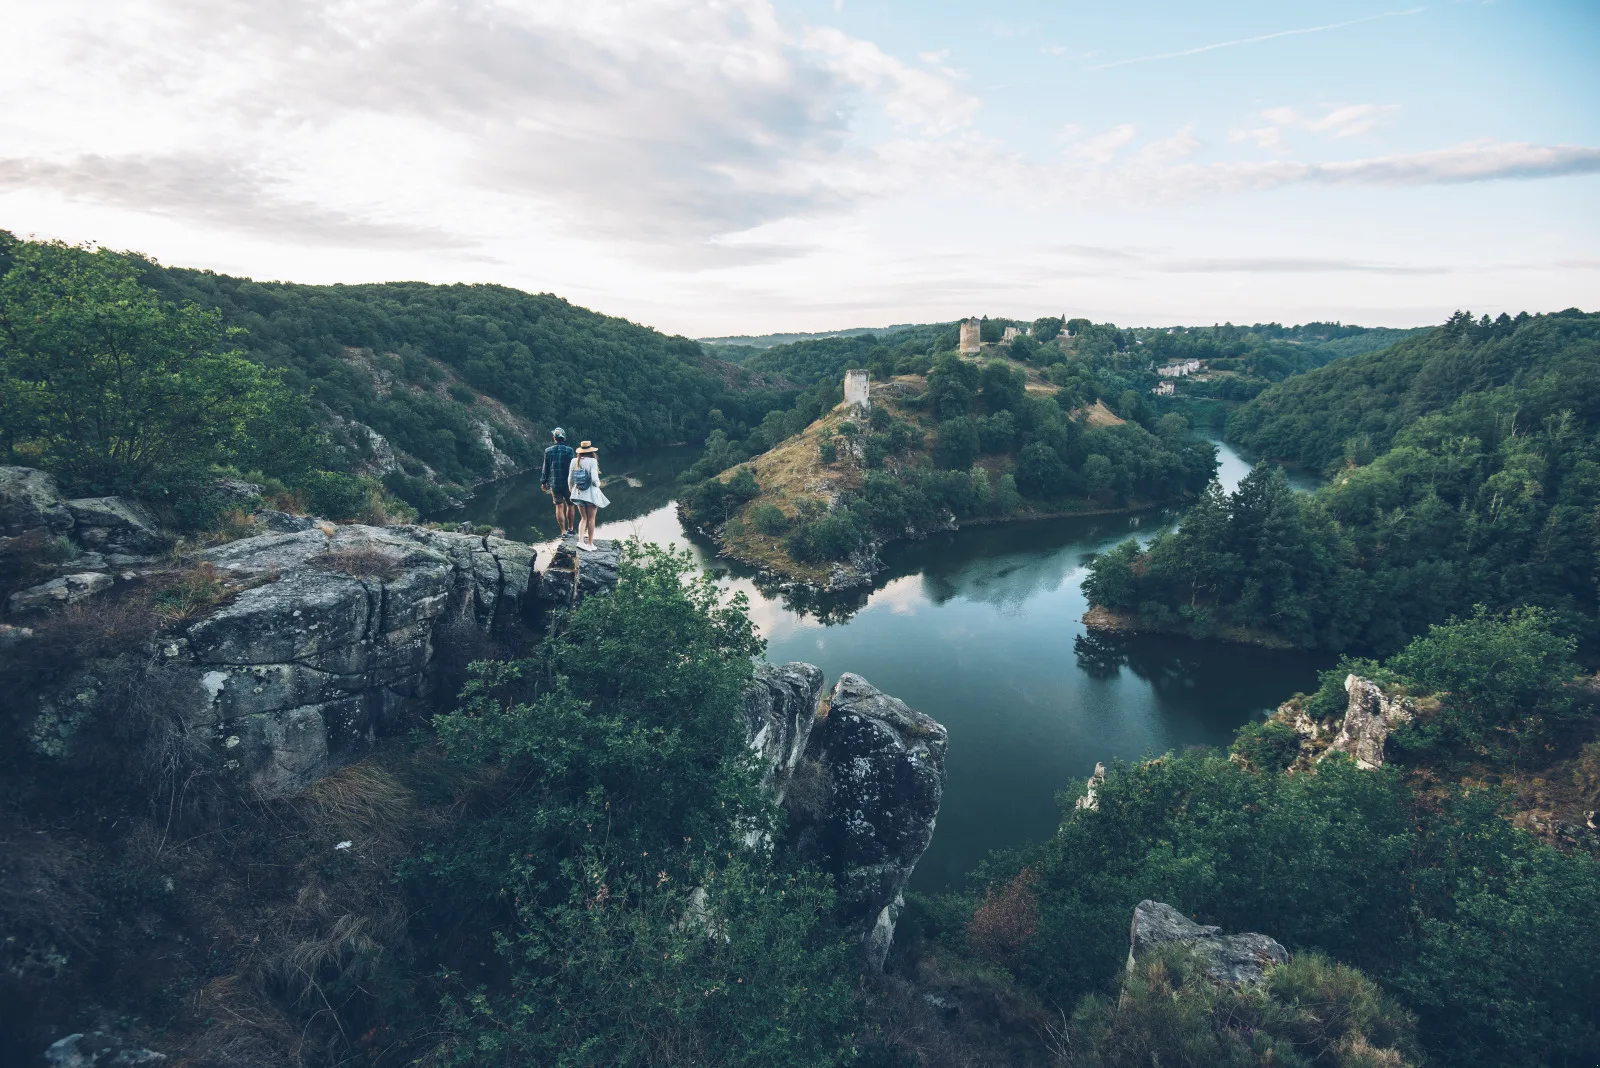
[[108, 386], [958, 444]]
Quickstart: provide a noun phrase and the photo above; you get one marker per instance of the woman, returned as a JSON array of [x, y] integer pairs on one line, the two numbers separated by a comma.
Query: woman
[[584, 479]]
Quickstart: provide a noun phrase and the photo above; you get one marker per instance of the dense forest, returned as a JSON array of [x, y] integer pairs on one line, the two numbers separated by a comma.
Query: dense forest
[[460, 383], [1463, 472]]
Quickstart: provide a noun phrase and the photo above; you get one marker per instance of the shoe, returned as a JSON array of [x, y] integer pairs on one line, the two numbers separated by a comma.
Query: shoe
[[566, 535], [586, 548]]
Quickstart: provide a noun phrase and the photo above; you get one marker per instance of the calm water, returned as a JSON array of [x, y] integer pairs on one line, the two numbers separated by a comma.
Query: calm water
[[980, 629]]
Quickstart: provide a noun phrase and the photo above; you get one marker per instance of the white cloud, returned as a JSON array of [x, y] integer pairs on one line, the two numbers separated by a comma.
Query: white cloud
[[1337, 122]]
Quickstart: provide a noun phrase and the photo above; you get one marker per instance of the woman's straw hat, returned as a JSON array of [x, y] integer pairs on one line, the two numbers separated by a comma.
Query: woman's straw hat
[[587, 447]]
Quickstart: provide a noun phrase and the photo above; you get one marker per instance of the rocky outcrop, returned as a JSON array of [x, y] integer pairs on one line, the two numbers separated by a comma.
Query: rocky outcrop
[[1235, 959], [116, 525], [877, 773], [331, 640], [1090, 800], [98, 1050], [780, 707], [1368, 718], [31, 502], [574, 574], [64, 589]]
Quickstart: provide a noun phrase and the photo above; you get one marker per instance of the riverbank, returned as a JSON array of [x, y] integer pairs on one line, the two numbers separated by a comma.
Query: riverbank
[[1107, 621]]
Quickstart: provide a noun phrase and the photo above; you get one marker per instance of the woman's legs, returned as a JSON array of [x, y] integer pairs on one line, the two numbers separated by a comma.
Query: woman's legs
[[588, 511]]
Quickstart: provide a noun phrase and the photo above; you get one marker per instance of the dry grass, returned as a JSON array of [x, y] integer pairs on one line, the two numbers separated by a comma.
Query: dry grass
[[1100, 415], [362, 803]]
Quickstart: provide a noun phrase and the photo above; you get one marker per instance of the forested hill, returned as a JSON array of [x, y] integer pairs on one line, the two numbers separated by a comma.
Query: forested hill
[[1352, 408], [548, 361], [1466, 472]]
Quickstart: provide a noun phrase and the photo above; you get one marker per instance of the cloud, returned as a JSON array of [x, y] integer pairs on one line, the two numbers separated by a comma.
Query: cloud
[[662, 122], [216, 191], [1341, 121], [1256, 40]]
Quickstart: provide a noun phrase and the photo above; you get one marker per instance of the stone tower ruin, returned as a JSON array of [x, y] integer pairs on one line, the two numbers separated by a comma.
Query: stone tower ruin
[[856, 390], [971, 337]]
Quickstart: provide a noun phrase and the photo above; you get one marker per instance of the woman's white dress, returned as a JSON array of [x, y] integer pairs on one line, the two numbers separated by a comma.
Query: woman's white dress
[[592, 495]]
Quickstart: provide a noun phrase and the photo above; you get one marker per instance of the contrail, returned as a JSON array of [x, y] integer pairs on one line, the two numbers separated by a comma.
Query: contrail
[[1254, 40]]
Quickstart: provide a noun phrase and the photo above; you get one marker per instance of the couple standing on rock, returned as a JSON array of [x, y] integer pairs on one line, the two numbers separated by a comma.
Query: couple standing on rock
[[573, 480]]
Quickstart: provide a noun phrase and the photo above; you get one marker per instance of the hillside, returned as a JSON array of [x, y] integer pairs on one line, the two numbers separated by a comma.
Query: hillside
[[450, 375], [969, 441], [1354, 408], [1463, 475]]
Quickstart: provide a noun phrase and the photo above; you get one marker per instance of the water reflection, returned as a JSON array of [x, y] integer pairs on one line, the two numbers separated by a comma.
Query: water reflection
[[981, 629]]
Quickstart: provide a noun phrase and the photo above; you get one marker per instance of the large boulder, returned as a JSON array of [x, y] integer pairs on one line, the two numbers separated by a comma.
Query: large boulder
[[31, 501], [876, 769], [780, 706], [574, 573], [117, 525], [331, 640], [1235, 959], [65, 589]]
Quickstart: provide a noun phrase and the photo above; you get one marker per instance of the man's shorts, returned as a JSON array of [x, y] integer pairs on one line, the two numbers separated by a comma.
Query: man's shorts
[[562, 493]]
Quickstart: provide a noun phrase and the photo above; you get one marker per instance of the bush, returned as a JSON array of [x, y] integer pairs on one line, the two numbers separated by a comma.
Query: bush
[[833, 537], [334, 496], [828, 451], [1267, 745], [957, 444], [1310, 1012], [768, 519]]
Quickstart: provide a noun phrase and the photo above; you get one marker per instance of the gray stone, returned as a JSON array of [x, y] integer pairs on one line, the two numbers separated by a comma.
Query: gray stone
[[882, 764], [780, 706], [68, 589], [99, 1050], [282, 522], [30, 500], [330, 642], [237, 492], [117, 525], [574, 574], [1368, 718], [1235, 959]]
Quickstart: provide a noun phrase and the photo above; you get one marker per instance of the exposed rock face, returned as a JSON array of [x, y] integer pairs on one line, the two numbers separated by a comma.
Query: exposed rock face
[[297, 674], [1235, 959], [97, 1050], [1091, 798], [30, 501], [117, 525], [66, 589], [574, 574], [1368, 719], [881, 766], [780, 706]]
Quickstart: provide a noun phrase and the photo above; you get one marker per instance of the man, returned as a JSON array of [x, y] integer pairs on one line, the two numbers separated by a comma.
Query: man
[[557, 460]]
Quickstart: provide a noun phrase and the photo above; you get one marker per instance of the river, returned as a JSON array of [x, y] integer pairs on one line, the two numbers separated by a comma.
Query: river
[[979, 628]]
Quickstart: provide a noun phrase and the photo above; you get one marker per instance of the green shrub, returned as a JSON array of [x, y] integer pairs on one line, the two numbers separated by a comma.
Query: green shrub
[[1310, 1011], [828, 451], [334, 496], [768, 519], [833, 537], [1267, 745]]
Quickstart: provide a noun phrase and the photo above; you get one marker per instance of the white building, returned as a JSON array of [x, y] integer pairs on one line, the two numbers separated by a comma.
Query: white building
[[1180, 370], [1164, 389], [1010, 334]]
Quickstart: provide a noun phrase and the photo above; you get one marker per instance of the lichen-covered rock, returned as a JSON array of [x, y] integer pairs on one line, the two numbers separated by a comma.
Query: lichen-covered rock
[[30, 500], [882, 764], [780, 706], [117, 525], [574, 573], [67, 589], [99, 1050], [331, 642], [275, 522], [1368, 718], [1090, 800], [1236, 959]]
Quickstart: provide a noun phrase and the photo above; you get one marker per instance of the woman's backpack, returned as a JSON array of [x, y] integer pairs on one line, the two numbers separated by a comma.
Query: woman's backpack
[[581, 479]]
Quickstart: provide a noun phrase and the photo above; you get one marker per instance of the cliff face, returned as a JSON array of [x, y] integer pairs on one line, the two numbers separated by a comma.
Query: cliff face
[[875, 774], [332, 636]]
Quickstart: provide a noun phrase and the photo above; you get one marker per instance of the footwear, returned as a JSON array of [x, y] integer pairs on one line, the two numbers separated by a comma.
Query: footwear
[[565, 535], [586, 548]]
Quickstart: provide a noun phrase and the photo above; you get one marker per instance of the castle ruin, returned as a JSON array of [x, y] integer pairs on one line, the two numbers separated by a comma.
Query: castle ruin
[[971, 337], [857, 390]]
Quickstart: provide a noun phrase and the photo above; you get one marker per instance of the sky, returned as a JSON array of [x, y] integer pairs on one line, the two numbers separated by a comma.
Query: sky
[[715, 167]]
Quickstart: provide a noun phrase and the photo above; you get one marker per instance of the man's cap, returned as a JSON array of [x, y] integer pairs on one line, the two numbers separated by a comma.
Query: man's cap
[[558, 433]]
